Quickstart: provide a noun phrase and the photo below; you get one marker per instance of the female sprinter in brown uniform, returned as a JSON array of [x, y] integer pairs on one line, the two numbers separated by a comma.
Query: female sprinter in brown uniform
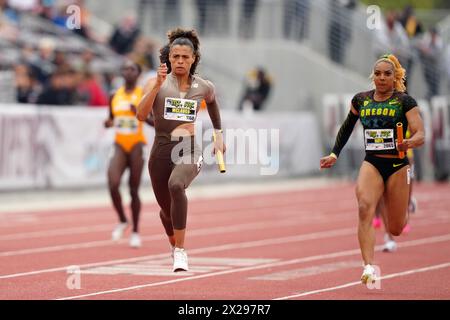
[[128, 149], [174, 98], [383, 173]]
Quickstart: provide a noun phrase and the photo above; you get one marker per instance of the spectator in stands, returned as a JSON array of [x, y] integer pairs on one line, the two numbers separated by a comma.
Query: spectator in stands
[[340, 28], [143, 52], [247, 19], [60, 59], [90, 91], [27, 86], [42, 64], [87, 57], [9, 20], [60, 16], [431, 50], [413, 28], [47, 9], [125, 35], [57, 91], [257, 89], [296, 16], [392, 38]]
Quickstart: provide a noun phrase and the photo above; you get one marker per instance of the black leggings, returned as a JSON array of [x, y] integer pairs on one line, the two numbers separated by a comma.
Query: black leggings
[[171, 175], [119, 162], [386, 166]]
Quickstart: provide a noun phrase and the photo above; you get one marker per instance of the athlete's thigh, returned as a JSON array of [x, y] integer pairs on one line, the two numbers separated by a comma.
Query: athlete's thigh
[[136, 164], [117, 163], [370, 185], [396, 195]]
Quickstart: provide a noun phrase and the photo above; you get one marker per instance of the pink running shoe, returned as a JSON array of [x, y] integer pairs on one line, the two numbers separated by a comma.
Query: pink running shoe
[[406, 228], [376, 222]]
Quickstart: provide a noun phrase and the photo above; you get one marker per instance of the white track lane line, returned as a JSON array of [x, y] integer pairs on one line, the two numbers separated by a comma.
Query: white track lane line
[[442, 238], [356, 283], [260, 225], [207, 231], [230, 246]]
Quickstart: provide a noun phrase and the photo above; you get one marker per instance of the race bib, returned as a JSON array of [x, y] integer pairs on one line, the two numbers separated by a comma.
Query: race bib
[[180, 109], [126, 125], [379, 139]]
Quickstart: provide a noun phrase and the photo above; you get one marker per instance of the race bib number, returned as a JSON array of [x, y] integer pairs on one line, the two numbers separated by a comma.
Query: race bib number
[[126, 125], [180, 109], [379, 139]]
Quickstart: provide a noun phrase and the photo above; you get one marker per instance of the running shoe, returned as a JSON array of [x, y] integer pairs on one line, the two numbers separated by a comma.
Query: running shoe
[[369, 275], [135, 240], [118, 231], [376, 222], [180, 260], [406, 228], [390, 246]]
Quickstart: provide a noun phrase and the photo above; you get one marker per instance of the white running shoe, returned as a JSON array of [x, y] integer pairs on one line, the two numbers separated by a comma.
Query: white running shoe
[[118, 231], [135, 240], [390, 246], [369, 275], [180, 260]]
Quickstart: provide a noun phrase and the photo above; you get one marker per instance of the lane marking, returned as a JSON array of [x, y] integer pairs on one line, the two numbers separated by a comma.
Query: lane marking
[[230, 246], [309, 271], [209, 231], [260, 225], [442, 238], [161, 268], [356, 283]]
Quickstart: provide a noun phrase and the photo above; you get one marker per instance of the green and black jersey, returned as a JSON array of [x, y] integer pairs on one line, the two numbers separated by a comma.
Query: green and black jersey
[[379, 119]]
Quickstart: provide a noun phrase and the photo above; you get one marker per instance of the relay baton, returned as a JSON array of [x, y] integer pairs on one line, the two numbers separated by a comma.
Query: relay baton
[[219, 157], [401, 154]]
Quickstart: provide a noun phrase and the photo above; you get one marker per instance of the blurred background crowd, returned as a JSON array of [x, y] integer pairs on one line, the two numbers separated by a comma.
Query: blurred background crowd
[[264, 56]]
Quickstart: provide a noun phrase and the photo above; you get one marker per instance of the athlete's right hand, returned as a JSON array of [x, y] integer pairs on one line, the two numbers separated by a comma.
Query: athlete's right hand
[[161, 74], [327, 162]]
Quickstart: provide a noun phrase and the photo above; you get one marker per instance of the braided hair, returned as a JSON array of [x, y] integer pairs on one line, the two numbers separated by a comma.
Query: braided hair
[[399, 71]]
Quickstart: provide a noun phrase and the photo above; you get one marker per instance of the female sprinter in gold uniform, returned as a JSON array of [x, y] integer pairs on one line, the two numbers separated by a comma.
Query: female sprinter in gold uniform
[[128, 149]]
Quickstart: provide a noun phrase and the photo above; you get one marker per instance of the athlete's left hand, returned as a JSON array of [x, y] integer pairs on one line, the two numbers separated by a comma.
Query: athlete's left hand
[[133, 108]]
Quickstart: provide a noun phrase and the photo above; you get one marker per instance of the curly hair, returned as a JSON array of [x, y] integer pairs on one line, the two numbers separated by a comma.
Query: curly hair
[[399, 71], [164, 57], [184, 37]]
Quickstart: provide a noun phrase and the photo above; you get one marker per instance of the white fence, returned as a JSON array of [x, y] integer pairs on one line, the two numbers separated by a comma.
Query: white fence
[[68, 147]]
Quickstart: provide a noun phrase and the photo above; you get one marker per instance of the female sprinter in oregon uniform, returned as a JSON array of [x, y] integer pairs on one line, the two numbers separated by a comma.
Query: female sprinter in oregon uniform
[[128, 149], [175, 160], [382, 172]]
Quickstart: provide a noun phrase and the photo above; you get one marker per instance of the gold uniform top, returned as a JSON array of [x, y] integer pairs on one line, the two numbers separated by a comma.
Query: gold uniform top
[[129, 130]]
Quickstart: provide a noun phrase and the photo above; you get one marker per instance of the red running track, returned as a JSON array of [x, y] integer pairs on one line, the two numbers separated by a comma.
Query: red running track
[[289, 245]]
